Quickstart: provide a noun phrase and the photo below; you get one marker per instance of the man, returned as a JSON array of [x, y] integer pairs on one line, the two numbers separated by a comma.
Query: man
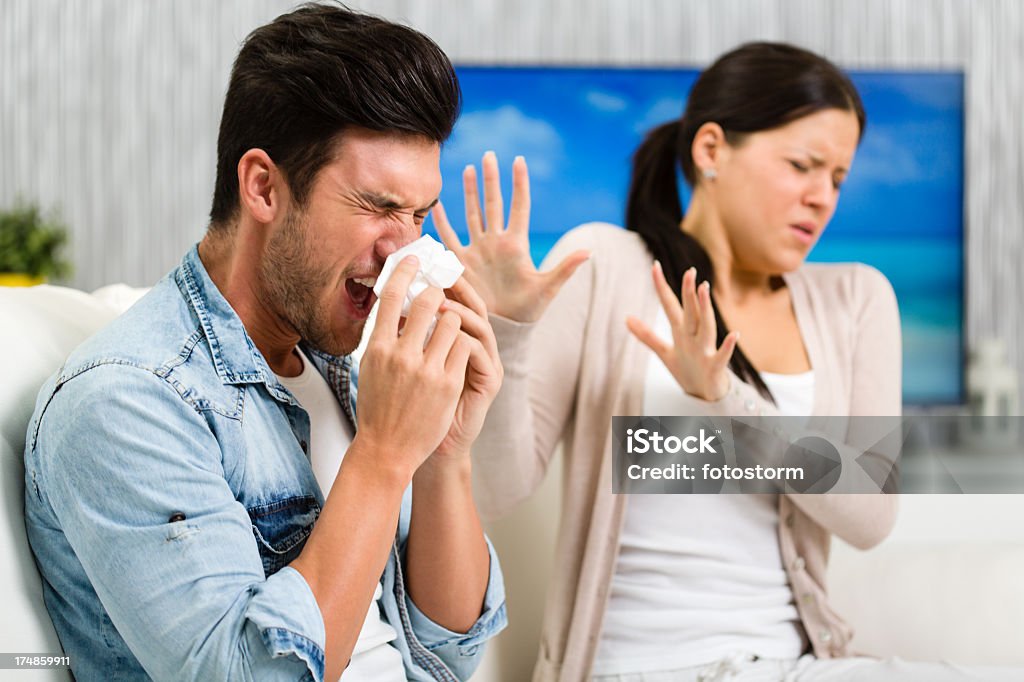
[[177, 463]]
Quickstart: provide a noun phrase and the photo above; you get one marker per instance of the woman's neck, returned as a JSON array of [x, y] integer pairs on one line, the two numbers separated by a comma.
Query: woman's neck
[[734, 285]]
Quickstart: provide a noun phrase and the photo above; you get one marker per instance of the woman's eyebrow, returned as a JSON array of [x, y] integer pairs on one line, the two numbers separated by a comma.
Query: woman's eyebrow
[[816, 159]]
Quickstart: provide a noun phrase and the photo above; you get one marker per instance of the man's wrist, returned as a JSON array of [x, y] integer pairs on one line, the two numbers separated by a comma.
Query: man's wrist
[[441, 485], [447, 467], [378, 462]]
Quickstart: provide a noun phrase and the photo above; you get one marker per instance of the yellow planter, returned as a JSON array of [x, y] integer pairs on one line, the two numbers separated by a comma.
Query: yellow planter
[[18, 279]]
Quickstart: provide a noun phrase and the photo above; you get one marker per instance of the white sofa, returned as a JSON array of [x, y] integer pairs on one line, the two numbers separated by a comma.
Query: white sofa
[[42, 324], [946, 585]]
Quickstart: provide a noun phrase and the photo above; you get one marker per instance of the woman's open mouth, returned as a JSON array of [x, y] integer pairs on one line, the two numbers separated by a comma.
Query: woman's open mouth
[[360, 295]]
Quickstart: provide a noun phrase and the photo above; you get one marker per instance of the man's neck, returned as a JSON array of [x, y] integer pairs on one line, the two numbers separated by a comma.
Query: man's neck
[[233, 265]]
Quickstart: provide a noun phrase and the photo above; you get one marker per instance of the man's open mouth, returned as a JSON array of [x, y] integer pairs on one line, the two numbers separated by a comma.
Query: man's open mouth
[[360, 292]]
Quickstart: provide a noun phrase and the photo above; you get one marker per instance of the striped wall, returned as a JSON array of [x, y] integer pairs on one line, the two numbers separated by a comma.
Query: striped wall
[[110, 107]]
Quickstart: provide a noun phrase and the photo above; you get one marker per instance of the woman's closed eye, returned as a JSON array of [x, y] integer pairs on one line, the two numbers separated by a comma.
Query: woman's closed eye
[[801, 167]]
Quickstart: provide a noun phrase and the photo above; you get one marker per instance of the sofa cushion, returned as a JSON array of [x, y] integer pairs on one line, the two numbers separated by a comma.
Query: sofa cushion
[[961, 602], [42, 325]]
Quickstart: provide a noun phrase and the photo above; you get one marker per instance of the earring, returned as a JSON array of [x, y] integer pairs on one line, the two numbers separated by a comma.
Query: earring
[[709, 173]]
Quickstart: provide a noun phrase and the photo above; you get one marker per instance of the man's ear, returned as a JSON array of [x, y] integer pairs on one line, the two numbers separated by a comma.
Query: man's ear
[[708, 146], [261, 186]]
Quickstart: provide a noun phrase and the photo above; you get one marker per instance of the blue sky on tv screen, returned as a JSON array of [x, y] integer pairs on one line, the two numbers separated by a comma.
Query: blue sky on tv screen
[[901, 208]]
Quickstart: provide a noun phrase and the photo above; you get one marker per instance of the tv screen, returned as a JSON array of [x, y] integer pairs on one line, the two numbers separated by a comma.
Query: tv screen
[[901, 210]]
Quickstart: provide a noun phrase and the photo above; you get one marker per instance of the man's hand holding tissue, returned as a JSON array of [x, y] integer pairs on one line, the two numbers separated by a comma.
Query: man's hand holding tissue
[[497, 258], [410, 387], [463, 307]]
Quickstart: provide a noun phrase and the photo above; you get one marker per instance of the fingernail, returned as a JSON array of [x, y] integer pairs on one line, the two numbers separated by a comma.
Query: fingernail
[[692, 269], [657, 264], [489, 152], [518, 159], [411, 260]]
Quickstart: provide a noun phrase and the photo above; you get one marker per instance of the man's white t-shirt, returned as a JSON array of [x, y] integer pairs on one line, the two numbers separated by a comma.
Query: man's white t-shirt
[[330, 434]]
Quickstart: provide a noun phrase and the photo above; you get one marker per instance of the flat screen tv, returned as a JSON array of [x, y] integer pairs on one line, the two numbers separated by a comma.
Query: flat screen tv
[[901, 210]]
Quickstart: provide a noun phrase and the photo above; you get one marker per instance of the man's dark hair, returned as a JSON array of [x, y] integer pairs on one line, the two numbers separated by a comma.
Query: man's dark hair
[[299, 81]]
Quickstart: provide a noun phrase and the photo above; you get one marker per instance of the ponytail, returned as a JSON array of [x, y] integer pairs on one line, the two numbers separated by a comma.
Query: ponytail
[[654, 211]]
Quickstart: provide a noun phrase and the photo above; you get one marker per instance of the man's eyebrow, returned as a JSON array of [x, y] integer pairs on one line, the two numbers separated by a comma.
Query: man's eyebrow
[[429, 206], [390, 203]]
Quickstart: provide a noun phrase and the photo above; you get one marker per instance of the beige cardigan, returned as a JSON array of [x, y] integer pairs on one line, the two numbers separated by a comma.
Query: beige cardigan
[[568, 374]]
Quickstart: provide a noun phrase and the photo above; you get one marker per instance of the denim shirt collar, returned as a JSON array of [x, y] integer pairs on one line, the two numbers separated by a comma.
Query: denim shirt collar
[[236, 358]]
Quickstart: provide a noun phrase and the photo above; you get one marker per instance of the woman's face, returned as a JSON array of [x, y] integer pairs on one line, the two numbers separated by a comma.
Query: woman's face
[[777, 189]]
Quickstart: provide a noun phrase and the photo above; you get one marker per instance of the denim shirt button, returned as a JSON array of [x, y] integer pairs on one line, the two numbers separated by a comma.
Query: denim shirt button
[[176, 516], [304, 445]]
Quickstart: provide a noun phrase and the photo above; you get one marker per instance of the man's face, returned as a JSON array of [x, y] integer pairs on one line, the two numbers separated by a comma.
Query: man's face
[[322, 261]]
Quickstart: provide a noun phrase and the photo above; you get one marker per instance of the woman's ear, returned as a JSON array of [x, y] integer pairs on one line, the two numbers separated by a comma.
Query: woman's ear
[[707, 148], [260, 186]]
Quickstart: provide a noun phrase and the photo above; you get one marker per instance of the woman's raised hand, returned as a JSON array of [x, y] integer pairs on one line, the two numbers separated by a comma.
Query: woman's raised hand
[[692, 358], [497, 258]]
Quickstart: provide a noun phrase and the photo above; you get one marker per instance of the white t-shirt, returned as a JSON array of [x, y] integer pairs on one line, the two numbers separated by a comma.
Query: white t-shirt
[[700, 577], [330, 434], [793, 393]]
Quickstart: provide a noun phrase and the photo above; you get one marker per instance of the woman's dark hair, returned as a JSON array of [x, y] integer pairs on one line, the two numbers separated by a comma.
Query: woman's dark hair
[[758, 86], [299, 81]]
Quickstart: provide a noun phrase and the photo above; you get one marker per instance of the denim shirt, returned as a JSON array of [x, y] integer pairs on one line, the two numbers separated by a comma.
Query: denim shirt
[[168, 487]]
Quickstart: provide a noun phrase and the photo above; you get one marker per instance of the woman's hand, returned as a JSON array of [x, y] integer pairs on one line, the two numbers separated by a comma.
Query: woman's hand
[[497, 258], [700, 368]]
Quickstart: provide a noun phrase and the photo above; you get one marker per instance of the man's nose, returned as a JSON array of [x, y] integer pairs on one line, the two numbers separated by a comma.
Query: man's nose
[[400, 233]]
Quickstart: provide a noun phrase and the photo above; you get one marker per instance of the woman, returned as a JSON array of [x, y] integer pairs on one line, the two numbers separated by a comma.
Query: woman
[[731, 322]]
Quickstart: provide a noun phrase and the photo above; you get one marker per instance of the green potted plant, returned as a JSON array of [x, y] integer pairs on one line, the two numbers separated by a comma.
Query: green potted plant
[[30, 246]]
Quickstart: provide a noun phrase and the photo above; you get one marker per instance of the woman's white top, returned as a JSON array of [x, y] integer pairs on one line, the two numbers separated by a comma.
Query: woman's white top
[[700, 577], [330, 435]]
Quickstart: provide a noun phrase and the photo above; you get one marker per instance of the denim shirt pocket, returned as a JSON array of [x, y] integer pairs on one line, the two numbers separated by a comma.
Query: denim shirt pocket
[[281, 529]]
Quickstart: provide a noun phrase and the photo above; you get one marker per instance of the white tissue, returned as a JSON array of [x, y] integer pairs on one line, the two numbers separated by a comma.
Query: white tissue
[[438, 268]]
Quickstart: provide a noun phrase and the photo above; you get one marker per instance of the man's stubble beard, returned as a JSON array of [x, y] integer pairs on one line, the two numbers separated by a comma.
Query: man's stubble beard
[[290, 281]]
